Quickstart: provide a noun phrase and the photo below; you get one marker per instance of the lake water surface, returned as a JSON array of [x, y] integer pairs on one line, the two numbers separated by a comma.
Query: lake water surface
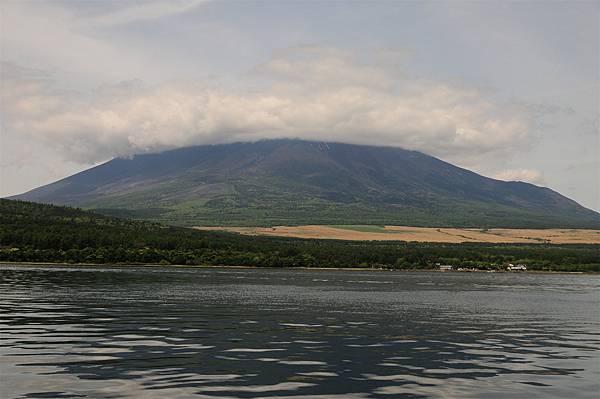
[[160, 332]]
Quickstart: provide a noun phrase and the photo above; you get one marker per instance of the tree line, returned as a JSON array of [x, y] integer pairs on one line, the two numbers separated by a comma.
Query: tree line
[[31, 232]]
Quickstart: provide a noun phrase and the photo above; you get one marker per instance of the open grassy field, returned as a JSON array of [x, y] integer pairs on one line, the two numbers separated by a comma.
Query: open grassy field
[[423, 234]]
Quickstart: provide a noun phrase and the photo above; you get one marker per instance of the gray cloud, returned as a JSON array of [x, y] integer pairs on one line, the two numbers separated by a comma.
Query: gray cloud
[[313, 93]]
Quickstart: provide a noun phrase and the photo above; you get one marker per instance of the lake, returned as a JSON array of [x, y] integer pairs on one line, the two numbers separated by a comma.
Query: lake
[[171, 332]]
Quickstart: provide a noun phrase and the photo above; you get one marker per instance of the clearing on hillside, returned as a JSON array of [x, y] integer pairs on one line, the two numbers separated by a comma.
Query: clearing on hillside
[[423, 234]]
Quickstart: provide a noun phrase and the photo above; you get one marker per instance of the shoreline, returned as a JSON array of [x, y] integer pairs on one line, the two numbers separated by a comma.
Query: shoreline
[[153, 265]]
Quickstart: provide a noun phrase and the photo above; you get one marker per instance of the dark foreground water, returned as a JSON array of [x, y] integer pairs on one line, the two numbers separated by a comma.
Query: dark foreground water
[[150, 332]]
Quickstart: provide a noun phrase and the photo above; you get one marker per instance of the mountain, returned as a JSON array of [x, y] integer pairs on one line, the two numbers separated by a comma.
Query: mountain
[[287, 182]]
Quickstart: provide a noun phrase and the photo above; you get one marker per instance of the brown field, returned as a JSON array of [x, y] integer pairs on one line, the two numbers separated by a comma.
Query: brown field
[[423, 234]]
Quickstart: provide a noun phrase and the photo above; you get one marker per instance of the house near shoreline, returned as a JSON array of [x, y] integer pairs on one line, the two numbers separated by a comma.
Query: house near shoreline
[[519, 267]]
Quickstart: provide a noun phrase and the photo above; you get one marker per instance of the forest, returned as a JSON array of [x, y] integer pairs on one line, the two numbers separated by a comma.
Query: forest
[[32, 232]]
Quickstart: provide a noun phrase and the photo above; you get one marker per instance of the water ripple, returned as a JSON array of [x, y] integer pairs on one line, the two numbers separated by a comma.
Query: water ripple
[[69, 332]]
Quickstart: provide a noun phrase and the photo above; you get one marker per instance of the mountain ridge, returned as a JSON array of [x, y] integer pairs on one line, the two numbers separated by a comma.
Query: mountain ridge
[[289, 181]]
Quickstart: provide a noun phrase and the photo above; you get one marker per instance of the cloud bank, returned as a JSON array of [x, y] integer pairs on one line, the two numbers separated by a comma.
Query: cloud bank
[[311, 93]]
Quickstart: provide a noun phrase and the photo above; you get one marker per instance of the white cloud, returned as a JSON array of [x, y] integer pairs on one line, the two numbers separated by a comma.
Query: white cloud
[[524, 175], [311, 92]]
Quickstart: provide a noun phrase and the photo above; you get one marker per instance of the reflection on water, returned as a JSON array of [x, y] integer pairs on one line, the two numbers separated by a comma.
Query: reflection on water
[[84, 332]]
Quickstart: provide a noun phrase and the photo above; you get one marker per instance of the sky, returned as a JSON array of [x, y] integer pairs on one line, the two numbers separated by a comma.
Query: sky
[[507, 89]]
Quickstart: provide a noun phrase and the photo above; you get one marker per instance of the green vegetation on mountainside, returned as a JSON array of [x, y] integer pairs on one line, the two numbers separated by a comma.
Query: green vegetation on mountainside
[[31, 232], [290, 210]]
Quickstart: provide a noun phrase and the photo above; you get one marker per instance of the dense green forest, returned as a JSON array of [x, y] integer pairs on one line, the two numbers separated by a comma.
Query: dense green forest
[[31, 232]]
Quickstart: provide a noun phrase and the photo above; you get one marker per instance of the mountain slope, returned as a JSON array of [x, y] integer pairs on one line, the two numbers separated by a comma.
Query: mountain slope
[[299, 182]]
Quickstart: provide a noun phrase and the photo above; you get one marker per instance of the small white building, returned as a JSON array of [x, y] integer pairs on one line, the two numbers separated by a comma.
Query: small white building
[[446, 267], [519, 267]]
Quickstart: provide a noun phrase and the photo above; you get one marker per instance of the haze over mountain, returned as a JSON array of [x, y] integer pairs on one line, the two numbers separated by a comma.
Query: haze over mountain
[[276, 182]]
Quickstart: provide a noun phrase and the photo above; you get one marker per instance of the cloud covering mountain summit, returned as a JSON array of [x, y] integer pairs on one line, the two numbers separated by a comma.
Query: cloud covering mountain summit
[[311, 93]]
